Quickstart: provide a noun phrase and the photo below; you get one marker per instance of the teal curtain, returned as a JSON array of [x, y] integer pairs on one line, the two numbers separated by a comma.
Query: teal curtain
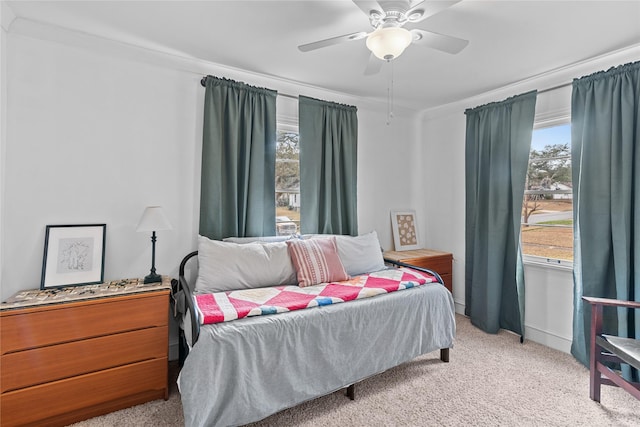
[[328, 167], [237, 196], [605, 140], [498, 142]]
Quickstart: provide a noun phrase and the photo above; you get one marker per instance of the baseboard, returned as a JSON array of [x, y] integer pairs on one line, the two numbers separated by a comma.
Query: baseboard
[[547, 338], [535, 334], [459, 307]]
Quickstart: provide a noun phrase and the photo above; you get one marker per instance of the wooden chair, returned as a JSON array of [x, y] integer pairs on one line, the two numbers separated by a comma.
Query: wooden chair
[[608, 348]]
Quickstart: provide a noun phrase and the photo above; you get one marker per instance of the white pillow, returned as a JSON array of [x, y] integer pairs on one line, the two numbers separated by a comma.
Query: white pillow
[[359, 254], [226, 266]]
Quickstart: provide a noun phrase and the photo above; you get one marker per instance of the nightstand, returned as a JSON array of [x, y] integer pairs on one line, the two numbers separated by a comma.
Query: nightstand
[[73, 353], [440, 262]]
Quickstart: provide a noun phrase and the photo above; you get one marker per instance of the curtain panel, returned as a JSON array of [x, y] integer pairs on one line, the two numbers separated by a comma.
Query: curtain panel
[[237, 195], [605, 139], [498, 141], [328, 167]]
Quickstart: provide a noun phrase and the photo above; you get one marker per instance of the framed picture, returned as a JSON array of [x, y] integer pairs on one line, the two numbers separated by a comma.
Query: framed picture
[[405, 230], [73, 255]]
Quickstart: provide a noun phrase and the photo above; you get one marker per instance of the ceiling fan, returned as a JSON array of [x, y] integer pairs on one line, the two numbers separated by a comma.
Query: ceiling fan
[[389, 38]]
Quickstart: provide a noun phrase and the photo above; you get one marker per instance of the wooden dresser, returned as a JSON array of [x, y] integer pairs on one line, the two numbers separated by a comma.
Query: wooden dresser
[[440, 262], [72, 360]]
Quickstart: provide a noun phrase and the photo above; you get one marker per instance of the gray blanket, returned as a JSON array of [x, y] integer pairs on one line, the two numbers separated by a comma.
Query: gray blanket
[[245, 370]]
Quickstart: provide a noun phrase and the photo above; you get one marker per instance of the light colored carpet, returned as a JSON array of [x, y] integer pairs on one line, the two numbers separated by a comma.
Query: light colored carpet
[[491, 380]]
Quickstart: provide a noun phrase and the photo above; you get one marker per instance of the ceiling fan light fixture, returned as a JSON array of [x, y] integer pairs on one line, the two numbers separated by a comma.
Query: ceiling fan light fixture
[[415, 15], [389, 43]]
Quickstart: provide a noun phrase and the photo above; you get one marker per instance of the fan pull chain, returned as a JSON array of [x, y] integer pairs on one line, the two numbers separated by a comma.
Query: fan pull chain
[[390, 96]]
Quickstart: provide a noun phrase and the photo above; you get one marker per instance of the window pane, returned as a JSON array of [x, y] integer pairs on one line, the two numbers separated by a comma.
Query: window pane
[[547, 210], [287, 182]]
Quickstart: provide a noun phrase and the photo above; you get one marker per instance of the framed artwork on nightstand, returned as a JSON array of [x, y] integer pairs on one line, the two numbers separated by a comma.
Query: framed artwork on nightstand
[[73, 255], [405, 230]]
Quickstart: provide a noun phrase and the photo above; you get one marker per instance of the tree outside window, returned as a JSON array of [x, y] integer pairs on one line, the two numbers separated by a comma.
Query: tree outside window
[[547, 210], [287, 181]]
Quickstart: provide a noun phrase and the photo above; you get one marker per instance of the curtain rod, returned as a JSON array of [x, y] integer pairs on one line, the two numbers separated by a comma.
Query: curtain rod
[[286, 95]]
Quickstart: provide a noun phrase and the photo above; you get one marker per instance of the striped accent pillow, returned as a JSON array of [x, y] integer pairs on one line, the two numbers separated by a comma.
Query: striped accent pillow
[[316, 261]]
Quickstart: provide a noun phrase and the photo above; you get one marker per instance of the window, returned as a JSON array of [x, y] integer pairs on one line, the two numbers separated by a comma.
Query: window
[[287, 180], [547, 209]]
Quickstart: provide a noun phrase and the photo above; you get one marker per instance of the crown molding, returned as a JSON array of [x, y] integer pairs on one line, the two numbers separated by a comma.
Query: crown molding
[[547, 81], [180, 61], [6, 16]]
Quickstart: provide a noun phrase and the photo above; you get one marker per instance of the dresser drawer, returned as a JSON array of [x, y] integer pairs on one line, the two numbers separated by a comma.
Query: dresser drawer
[[38, 366], [75, 321], [441, 265], [440, 262], [55, 399]]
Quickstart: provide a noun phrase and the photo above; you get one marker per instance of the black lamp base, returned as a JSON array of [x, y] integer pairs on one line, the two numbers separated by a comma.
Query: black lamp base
[[152, 278]]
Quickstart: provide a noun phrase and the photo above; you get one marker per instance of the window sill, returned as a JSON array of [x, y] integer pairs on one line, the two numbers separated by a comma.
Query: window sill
[[551, 263]]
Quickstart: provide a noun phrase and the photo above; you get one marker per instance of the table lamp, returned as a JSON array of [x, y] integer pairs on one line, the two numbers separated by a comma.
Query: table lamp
[[153, 219]]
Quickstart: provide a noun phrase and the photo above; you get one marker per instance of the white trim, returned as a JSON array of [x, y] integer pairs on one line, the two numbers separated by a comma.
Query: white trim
[[172, 59], [287, 124], [552, 118], [534, 334], [459, 305], [547, 338], [6, 16], [549, 79], [543, 262]]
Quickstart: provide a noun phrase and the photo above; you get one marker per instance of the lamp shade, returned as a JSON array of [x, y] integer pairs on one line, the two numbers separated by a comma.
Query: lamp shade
[[389, 43], [153, 219]]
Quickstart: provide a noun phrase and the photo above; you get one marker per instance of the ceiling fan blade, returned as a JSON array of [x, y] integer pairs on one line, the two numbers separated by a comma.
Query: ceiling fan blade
[[333, 40], [425, 9], [437, 41], [368, 6], [373, 66]]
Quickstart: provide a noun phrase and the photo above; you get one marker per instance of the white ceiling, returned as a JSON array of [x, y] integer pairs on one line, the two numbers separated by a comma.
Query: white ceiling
[[509, 40]]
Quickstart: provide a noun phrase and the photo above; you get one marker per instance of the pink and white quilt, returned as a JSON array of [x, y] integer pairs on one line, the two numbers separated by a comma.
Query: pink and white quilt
[[225, 306]]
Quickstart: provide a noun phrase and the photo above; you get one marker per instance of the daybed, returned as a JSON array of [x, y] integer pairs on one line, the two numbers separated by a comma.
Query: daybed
[[244, 370]]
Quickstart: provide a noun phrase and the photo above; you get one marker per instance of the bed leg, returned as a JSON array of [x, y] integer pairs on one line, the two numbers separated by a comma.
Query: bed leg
[[351, 392], [444, 354]]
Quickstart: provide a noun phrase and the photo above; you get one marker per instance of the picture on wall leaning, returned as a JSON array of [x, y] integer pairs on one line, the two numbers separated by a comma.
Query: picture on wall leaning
[[73, 255], [405, 230]]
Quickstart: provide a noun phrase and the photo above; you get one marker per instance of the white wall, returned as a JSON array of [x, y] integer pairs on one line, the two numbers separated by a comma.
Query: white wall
[[386, 178], [549, 305], [444, 192], [548, 297], [95, 139], [97, 130], [388, 172], [6, 17]]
